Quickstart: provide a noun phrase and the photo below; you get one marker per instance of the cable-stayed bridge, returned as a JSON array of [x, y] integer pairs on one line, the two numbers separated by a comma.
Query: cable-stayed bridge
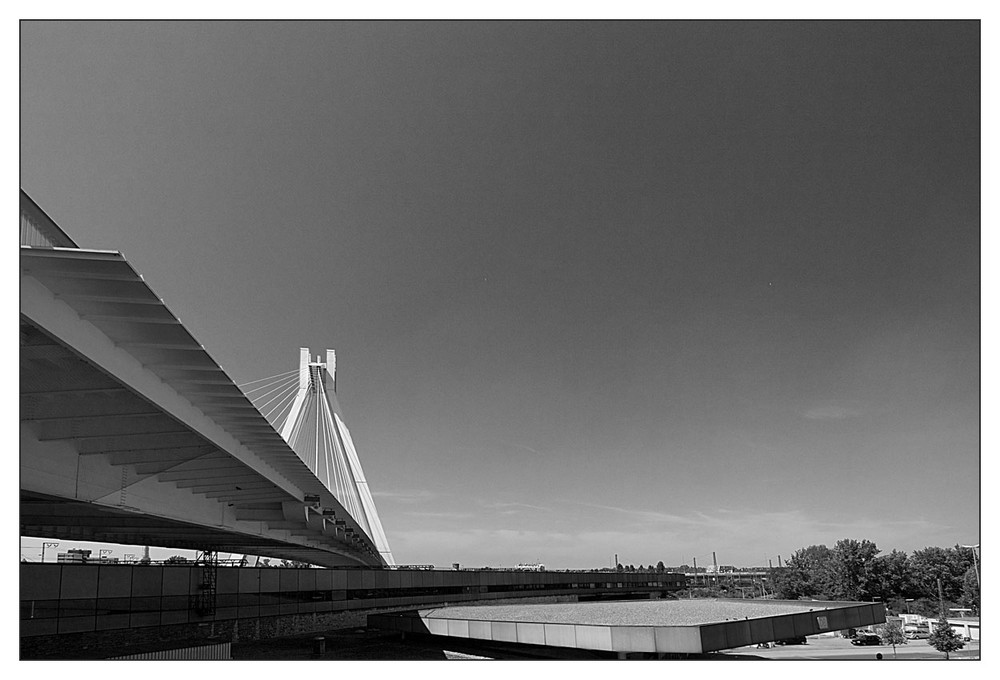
[[130, 432], [302, 405]]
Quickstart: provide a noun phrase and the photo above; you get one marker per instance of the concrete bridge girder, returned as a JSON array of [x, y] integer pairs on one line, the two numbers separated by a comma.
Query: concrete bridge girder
[[100, 425], [196, 478], [112, 359], [139, 441], [104, 426], [172, 455], [245, 491]]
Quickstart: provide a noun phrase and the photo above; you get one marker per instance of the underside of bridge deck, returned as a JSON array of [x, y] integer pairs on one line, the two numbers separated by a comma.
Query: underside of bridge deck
[[130, 432]]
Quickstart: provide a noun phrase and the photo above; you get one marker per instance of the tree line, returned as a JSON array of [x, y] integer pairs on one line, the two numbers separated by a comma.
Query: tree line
[[856, 571]]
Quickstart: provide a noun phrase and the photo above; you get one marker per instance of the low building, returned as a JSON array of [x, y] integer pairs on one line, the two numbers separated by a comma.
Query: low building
[[74, 556], [966, 626]]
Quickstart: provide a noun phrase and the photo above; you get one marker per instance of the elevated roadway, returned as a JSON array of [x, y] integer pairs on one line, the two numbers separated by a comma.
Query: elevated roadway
[[131, 433]]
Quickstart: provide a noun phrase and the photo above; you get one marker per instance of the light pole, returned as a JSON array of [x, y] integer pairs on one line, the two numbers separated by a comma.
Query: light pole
[[975, 560], [47, 545]]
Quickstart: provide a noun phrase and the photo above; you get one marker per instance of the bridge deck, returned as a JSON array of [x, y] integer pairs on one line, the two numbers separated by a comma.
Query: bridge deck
[[124, 411]]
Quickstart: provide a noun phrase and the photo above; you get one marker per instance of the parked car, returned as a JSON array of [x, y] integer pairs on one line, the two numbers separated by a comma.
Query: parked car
[[865, 639], [917, 634], [791, 641]]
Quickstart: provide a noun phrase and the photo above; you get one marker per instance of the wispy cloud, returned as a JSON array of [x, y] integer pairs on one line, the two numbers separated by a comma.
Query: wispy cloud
[[647, 515], [441, 514], [417, 496], [512, 508]]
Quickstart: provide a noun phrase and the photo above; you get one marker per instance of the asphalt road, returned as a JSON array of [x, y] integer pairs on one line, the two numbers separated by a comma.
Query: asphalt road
[[362, 644], [827, 648]]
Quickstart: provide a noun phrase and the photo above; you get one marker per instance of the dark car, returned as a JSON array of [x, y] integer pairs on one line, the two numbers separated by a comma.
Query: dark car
[[791, 641], [866, 639]]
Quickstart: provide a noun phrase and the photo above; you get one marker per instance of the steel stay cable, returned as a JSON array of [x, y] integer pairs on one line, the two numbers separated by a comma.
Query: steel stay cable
[[281, 381], [279, 398], [282, 412], [352, 455], [351, 483], [316, 439], [279, 375], [281, 405], [327, 452], [339, 466], [277, 384], [345, 481], [288, 384], [293, 437], [342, 488]]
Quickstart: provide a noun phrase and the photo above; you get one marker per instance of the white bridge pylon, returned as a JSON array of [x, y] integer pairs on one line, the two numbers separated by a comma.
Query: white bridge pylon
[[315, 430]]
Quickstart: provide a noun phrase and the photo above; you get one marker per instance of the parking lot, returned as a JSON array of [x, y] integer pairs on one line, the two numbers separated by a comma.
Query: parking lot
[[820, 647]]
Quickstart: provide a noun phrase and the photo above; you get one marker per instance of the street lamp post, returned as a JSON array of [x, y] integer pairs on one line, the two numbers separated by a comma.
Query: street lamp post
[[975, 560], [47, 545]]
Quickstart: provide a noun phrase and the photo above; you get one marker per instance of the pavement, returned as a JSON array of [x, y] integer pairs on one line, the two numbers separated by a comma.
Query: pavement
[[361, 644], [837, 648]]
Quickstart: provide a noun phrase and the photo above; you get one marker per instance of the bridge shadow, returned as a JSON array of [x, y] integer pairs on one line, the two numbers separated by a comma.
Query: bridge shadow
[[352, 644]]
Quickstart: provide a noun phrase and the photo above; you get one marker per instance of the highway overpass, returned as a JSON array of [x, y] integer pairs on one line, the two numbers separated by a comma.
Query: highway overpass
[[131, 433]]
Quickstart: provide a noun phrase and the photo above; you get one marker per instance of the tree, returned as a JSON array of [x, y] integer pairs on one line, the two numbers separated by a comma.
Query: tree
[[853, 568], [806, 574], [892, 572], [660, 567], [892, 634], [944, 638], [970, 590], [948, 564]]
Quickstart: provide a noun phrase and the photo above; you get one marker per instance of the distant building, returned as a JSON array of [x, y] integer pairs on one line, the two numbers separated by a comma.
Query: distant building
[[967, 627], [529, 567], [74, 556]]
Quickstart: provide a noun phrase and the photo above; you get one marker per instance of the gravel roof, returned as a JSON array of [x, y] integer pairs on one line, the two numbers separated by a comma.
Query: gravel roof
[[634, 612]]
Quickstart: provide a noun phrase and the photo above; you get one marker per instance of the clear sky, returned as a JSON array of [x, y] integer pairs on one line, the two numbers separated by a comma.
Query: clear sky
[[656, 289]]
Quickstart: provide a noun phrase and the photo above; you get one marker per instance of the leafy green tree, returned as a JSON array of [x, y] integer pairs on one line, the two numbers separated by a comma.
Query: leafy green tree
[[893, 576], [948, 564], [854, 570], [892, 634], [928, 607], [807, 573], [944, 638], [660, 567], [970, 590]]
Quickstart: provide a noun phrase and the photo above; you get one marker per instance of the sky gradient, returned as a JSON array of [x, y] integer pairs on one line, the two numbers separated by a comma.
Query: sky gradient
[[655, 289]]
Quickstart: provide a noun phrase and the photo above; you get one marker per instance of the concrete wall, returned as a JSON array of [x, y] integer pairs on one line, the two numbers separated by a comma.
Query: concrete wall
[[132, 604]]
